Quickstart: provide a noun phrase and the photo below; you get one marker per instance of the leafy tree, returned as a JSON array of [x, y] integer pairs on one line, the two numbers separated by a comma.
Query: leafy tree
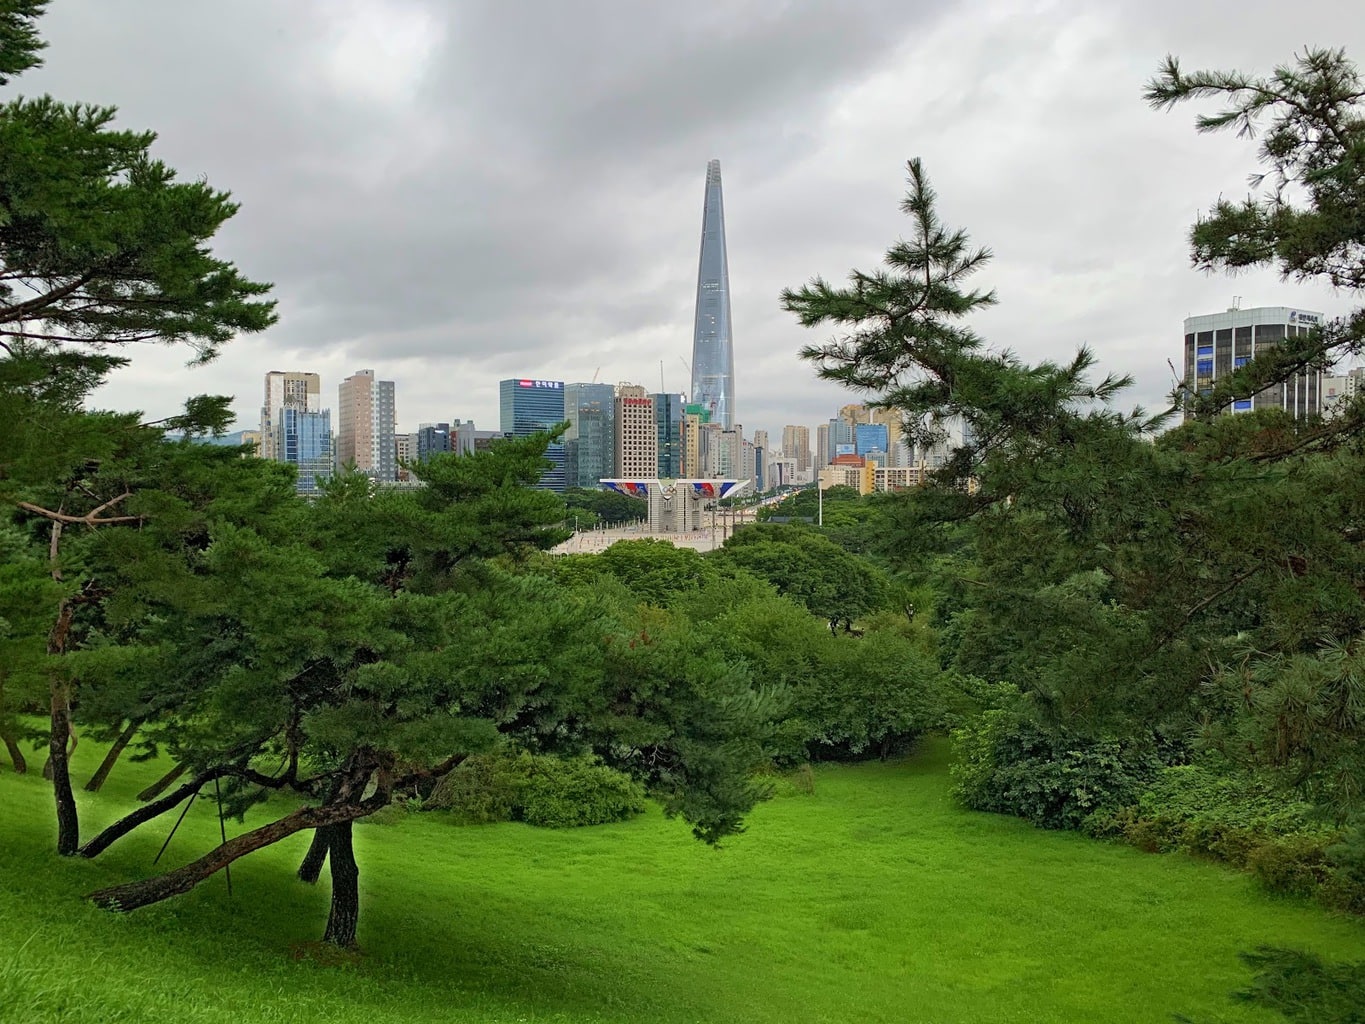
[[99, 244], [609, 507], [347, 672], [813, 571], [653, 571], [1114, 580]]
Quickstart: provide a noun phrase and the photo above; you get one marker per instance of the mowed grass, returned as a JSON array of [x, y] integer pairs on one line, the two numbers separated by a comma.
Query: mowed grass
[[873, 900]]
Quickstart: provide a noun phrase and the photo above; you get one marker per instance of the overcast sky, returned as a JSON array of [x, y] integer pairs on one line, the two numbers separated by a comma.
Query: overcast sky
[[452, 193]]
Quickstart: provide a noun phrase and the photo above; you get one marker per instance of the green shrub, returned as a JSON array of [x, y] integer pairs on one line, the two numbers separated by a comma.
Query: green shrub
[[1008, 765], [1247, 819], [551, 792], [484, 788], [581, 791], [1295, 865]]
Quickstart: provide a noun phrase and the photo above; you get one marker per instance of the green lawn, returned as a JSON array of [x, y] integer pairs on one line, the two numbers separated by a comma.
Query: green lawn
[[873, 900]]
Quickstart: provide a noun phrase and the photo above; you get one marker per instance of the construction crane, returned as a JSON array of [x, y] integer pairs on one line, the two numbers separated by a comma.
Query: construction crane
[[596, 373]]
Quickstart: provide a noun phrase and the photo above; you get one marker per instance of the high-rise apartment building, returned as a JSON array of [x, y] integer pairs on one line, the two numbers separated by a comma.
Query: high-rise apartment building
[[1219, 343], [637, 434], [713, 355], [405, 454], [590, 441], [366, 424], [822, 448], [528, 407], [796, 445], [761, 439]]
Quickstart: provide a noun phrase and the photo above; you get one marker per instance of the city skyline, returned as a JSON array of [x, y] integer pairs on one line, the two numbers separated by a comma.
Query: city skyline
[[565, 240]]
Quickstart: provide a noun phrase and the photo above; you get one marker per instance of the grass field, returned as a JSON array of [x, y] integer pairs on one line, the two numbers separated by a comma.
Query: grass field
[[873, 900]]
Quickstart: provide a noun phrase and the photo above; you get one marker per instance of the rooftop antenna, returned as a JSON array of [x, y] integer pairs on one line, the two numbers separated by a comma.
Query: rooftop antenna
[[1236, 304]]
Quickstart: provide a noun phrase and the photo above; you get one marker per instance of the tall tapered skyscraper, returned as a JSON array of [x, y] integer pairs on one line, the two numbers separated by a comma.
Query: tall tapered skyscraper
[[713, 353]]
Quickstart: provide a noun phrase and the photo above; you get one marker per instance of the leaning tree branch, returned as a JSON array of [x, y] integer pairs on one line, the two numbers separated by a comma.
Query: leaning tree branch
[[90, 519], [132, 895]]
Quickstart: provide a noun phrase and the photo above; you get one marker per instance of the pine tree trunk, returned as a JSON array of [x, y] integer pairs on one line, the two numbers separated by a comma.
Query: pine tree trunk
[[111, 758], [160, 785], [345, 912], [68, 823], [311, 868], [146, 813], [16, 755], [132, 895]]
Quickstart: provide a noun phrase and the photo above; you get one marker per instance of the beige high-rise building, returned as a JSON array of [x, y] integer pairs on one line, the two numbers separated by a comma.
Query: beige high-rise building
[[365, 426], [692, 445], [636, 434], [298, 390], [796, 445], [855, 414], [761, 439], [822, 452]]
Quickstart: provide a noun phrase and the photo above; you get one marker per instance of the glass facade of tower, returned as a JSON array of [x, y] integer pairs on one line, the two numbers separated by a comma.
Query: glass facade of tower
[[306, 443], [589, 443], [870, 437], [668, 414], [527, 407], [713, 356]]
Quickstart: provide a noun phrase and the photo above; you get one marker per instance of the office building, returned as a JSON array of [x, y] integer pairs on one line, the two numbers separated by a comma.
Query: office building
[[590, 441], [869, 437], [433, 439], [296, 389], [636, 434], [1218, 343], [668, 414], [713, 356], [305, 442], [694, 440], [366, 424], [528, 407], [761, 439]]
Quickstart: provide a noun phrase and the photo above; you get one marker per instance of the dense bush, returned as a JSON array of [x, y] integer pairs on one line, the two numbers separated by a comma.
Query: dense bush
[[551, 792], [873, 696], [1249, 820], [581, 791], [1008, 765]]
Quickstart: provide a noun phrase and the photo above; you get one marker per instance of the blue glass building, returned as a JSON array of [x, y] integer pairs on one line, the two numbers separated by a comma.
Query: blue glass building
[[528, 407], [590, 441], [713, 355], [668, 415], [306, 444], [870, 437]]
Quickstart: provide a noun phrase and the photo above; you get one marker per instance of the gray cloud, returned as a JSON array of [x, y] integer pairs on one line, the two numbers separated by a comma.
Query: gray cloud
[[455, 193]]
